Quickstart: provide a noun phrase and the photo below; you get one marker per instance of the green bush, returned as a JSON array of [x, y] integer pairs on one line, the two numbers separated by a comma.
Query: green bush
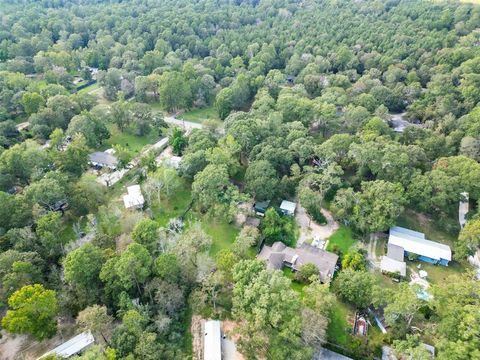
[[275, 227], [317, 215]]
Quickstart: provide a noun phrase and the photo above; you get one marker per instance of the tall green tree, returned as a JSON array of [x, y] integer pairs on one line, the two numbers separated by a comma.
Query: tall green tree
[[271, 325], [175, 91], [82, 269], [261, 180], [32, 311]]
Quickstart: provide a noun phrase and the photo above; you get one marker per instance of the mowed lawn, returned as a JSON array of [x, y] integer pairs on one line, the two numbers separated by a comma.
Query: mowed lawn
[[223, 234], [419, 222], [200, 115], [132, 142], [338, 328], [342, 238], [90, 88]]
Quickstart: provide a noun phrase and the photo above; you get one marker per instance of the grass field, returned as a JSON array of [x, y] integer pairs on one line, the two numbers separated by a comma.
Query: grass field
[[342, 238], [222, 233], [200, 115], [90, 88], [132, 142], [173, 207], [296, 286], [156, 107], [437, 274], [338, 328]]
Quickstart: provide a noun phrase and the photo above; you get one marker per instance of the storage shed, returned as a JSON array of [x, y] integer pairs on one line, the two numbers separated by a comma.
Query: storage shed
[[134, 198], [288, 208]]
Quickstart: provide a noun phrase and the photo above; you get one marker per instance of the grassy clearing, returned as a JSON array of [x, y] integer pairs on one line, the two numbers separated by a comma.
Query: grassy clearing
[[420, 222], [222, 233], [187, 334], [436, 273], [342, 238], [133, 143], [338, 328], [89, 89], [156, 107], [173, 207], [296, 286], [200, 115]]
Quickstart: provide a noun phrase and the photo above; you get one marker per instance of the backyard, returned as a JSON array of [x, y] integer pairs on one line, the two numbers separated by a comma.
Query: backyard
[[222, 233], [420, 222], [132, 142], [296, 286], [342, 240], [199, 115], [338, 328]]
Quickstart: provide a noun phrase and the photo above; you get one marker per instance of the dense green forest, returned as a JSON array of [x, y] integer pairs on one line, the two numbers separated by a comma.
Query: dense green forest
[[366, 113]]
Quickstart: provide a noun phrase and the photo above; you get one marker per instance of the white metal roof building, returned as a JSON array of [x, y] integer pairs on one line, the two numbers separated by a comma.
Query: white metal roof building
[[212, 344], [160, 145], [393, 266], [414, 242], [134, 198], [288, 207], [73, 346]]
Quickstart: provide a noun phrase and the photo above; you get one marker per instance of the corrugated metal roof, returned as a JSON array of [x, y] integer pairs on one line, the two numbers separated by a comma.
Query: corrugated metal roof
[[393, 266], [463, 208], [415, 242], [134, 197], [212, 348], [326, 354], [72, 346], [395, 252], [288, 206], [103, 159]]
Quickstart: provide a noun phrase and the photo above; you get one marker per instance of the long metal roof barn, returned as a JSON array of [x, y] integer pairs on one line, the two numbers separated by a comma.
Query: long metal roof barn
[[415, 242], [72, 346]]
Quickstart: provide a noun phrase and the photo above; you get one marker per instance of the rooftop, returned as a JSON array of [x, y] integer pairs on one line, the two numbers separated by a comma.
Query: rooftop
[[72, 346], [415, 242], [393, 266], [212, 348], [288, 206], [326, 354], [279, 255], [395, 252], [134, 197], [103, 159], [463, 208]]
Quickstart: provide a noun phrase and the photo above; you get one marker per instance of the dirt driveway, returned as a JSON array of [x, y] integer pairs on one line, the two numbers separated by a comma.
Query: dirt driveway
[[310, 230]]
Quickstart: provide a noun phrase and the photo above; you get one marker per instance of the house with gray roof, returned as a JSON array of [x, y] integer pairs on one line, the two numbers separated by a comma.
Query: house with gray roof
[[103, 159], [279, 255]]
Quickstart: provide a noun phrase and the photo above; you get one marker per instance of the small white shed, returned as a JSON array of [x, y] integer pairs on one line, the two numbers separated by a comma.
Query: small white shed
[[134, 198], [288, 208]]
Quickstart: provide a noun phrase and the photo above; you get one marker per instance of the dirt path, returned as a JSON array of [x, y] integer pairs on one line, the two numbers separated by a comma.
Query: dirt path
[[310, 230], [372, 257], [10, 346], [197, 337]]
